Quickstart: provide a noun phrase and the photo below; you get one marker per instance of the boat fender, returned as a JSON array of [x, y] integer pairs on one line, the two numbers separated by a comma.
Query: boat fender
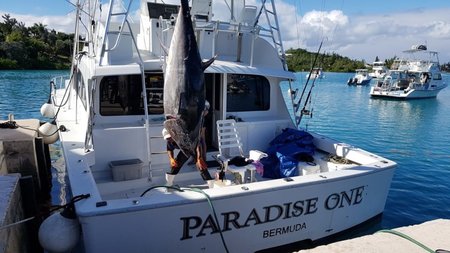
[[49, 132], [60, 232], [47, 108]]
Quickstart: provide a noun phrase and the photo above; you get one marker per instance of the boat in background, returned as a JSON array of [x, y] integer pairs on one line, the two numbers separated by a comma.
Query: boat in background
[[316, 73], [276, 184], [416, 76], [361, 78], [379, 70]]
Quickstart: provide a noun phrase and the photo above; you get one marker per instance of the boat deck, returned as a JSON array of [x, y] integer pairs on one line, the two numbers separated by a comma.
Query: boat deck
[[190, 177]]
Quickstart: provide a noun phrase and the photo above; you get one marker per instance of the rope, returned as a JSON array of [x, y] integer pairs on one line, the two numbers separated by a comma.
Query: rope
[[207, 198], [74, 199], [14, 125], [407, 238], [71, 202], [9, 124], [17, 223], [339, 160]]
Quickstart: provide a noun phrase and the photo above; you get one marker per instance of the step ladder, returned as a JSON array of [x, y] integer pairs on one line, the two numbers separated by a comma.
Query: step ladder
[[124, 15]]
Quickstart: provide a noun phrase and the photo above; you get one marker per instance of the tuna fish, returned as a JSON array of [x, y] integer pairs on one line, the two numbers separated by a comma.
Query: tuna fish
[[184, 84]]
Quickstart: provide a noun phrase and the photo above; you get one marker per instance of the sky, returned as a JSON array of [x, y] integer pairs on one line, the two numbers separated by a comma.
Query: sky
[[360, 30]]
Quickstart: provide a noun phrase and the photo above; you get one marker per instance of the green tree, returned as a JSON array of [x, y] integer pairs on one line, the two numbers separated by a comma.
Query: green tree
[[302, 60], [32, 47]]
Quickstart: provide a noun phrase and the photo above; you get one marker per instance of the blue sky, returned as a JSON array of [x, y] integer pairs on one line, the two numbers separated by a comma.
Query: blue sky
[[354, 28], [350, 7], [36, 7]]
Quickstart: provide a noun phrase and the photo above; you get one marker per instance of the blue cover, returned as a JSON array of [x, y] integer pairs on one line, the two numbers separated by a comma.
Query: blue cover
[[284, 149]]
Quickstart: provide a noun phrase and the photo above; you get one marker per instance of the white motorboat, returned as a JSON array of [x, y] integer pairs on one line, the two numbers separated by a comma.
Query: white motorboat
[[361, 77], [316, 73], [298, 185], [417, 76], [379, 70]]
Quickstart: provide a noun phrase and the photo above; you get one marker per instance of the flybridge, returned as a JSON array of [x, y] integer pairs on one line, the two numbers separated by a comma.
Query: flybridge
[[166, 11]]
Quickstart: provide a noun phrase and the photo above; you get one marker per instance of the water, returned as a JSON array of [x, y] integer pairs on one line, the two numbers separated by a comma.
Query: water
[[22, 93], [415, 134]]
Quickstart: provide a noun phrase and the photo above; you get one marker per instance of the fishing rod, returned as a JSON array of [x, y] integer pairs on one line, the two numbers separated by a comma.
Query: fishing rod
[[309, 76], [304, 111], [311, 87]]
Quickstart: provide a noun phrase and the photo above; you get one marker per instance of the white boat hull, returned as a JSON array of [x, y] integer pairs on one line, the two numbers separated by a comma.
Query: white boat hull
[[401, 94], [116, 154], [307, 208]]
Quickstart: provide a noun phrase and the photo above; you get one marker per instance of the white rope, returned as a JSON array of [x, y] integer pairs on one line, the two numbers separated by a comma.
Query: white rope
[[16, 223]]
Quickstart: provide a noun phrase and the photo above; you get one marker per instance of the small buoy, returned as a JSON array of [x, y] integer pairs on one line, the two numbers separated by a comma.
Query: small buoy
[[49, 132], [60, 232], [47, 110]]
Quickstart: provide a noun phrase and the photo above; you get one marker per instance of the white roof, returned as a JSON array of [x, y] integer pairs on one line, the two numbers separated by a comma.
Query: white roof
[[231, 67], [217, 67]]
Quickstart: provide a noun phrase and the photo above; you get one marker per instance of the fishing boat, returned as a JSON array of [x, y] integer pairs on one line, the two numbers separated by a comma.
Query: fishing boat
[[379, 70], [361, 77], [316, 73], [418, 75], [276, 183]]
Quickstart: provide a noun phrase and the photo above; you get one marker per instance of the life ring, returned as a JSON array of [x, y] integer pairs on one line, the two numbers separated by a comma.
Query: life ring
[[423, 78]]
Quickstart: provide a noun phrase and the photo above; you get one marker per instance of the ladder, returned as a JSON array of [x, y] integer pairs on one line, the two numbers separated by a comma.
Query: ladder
[[274, 28], [124, 20], [124, 15]]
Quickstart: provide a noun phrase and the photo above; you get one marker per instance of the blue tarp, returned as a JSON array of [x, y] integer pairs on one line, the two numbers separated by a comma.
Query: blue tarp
[[285, 151]]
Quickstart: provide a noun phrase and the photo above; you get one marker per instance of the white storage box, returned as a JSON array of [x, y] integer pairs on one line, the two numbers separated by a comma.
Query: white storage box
[[126, 169], [308, 168]]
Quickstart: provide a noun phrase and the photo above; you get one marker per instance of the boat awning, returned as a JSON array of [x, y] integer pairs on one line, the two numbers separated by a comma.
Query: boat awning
[[111, 70], [217, 67], [234, 68]]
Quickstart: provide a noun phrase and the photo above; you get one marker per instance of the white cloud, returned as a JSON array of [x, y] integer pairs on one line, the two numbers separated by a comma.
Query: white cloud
[[356, 36], [365, 37], [63, 23]]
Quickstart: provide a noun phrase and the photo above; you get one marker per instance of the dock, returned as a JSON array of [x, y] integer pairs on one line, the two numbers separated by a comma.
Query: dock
[[431, 235], [25, 184]]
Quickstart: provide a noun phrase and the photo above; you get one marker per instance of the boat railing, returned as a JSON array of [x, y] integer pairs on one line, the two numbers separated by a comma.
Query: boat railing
[[217, 27], [60, 82], [246, 24]]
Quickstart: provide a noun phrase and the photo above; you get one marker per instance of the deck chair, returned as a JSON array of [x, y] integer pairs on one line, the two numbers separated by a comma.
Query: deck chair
[[230, 147]]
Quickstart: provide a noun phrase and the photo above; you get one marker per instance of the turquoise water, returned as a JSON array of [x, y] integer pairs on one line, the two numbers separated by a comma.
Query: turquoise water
[[415, 134], [23, 92]]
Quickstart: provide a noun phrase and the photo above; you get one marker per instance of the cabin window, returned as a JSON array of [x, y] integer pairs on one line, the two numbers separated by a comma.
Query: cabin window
[[122, 95], [437, 76], [247, 93]]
